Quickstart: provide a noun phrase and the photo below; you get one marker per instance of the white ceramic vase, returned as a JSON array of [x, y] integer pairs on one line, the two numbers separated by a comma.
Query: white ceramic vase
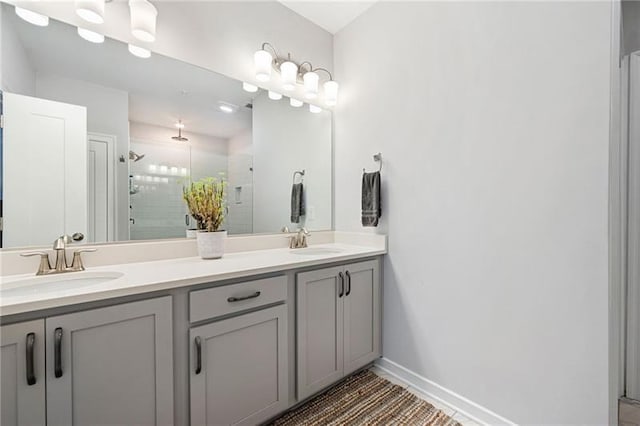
[[192, 233], [211, 244]]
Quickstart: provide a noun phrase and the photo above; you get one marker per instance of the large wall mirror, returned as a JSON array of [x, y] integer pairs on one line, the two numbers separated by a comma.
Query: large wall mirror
[[100, 142]]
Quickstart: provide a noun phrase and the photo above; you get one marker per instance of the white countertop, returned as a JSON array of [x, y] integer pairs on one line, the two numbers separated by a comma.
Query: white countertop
[[147, 277]]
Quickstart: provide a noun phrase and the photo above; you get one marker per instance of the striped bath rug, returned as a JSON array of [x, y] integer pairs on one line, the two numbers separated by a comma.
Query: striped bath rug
[[365, 399]]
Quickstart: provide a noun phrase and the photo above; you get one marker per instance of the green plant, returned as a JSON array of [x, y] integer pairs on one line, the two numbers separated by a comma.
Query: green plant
[[206, 202]]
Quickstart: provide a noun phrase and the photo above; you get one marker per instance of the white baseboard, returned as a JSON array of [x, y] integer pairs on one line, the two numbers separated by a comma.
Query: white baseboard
[[462, 405]]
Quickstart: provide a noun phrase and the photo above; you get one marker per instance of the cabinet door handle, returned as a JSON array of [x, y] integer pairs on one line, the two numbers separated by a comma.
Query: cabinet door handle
[[340, 284], [198, 342], [348, 274], [57, 352], [31, 376], [238, 299]]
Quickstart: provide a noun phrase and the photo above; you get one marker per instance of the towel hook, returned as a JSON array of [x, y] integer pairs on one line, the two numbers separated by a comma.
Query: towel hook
[[298, 172], [378, 159]]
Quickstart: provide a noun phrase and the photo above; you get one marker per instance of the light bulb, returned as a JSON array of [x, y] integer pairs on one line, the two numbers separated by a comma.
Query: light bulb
[[310, 85], [274, 96], [295, 102], [331, 93], [91, 10], [91, 36], [262, 60], [315, 109], [32, 17], [289, 72], [248, 87], [180, 125], [140, 52], [143, 20]]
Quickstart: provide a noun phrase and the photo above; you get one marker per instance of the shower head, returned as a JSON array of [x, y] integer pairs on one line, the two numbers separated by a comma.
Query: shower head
[[135, 157], [180, 138]]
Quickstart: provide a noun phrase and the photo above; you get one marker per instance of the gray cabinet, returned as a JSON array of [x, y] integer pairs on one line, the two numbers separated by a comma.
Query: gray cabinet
[[112, 365], [22, 374], [239, 369], [338, 323]]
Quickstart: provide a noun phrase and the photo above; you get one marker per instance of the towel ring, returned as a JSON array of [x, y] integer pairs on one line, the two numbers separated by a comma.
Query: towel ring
[[378, 159], [298, 172]]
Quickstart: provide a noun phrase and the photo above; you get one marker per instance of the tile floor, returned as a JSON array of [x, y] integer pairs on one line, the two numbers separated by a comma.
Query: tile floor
[[463, 420], [629, 412]]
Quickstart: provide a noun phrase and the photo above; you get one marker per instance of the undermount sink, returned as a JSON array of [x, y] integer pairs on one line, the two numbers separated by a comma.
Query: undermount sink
[[315, 251], [56, 283]]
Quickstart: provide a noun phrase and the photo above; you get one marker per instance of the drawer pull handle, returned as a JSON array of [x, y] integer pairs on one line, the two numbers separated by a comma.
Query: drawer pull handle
[[198, 342], [348, 274], [238, 299], [57, 352], [31, 376], [341, 285]]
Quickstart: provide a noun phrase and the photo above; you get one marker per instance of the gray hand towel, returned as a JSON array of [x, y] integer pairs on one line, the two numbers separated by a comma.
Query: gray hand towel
[[371, 208], [297, 202]]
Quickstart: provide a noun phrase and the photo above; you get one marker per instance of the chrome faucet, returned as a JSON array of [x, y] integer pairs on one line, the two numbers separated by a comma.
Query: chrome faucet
[[61, 265], [298, 239]]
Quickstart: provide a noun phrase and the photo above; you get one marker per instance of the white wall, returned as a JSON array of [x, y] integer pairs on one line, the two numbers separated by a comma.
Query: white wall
[[287, 139], [107, 112], [17, 73], [492, 119]]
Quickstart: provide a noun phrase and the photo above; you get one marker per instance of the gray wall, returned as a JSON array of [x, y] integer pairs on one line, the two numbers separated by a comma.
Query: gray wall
[[493, 122]]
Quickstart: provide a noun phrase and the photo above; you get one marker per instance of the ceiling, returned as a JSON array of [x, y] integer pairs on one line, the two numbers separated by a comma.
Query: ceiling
[[332, 15], [161, 90]]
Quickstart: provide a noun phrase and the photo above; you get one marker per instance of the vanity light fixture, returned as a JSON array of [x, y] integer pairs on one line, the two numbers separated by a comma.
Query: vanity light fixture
[[143, 20], [91, 36], [295, 103], [248, 87], [315, 109], [91, 10], [275, 96], [293, 73], [32, 17], [140, 52]]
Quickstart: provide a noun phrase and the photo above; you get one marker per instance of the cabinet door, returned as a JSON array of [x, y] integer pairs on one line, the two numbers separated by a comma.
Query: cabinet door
[[111, 366], [22, 389], [319, 329], [239, 370], [361, 315]]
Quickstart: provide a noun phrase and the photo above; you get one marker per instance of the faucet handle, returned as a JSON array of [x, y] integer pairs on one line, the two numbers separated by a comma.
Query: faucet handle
[[45, 266], [76, 263]]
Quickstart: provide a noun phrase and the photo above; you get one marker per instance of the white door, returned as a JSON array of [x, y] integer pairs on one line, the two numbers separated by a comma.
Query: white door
[[100, 191], [44, 170]]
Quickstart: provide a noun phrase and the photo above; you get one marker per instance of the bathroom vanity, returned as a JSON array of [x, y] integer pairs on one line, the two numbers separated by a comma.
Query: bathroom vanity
[[188, 341]]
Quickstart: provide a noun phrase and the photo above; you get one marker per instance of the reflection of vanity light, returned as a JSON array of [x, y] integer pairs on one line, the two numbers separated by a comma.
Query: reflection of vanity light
[[153, 167], [156, 179], [165, 180], [248, 87], [315, 109], [140, 52], [91, 36], [174, 170], [91, 10], [137, 177], [32, 17], [164, 170], [148, 178], [295, 103], [274, 96], [183, 171]]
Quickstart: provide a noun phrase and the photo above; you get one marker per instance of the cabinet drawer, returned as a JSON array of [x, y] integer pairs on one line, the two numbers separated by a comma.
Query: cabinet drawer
[[224, 300]]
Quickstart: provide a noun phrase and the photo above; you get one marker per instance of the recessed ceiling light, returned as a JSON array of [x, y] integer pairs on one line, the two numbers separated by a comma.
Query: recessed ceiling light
[[227, 107], [32, 17], [140, 52], [91, 36], [248, 87]]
